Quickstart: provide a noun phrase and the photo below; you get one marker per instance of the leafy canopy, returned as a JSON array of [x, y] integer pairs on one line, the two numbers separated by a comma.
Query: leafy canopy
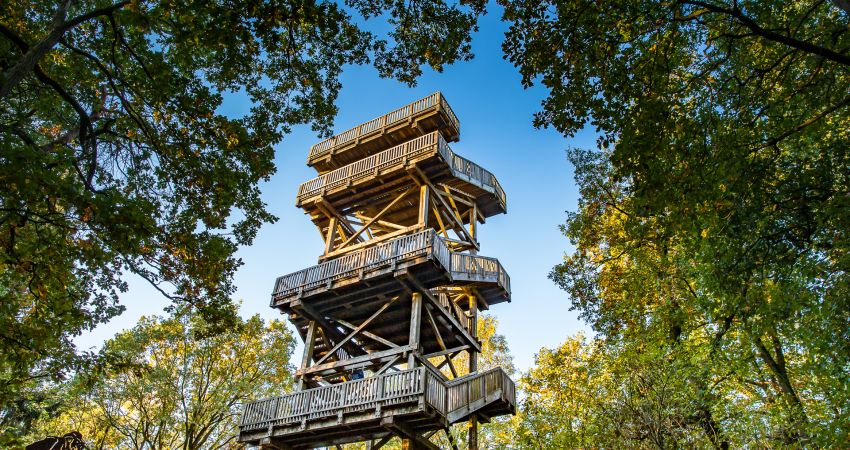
[[168, 388], [714, 215], [116, 158]]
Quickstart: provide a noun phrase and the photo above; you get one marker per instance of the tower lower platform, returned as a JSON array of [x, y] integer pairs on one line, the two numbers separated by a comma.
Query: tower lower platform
[[407, 402]]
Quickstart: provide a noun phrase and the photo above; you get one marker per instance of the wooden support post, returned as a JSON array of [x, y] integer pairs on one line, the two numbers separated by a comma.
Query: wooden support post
[[328, 330], [415, 327], [450, 438], [369, 335], [473, 330], [473, 366], [439, 337], [309, 345], [381, 443], [423, 206], [331, 236], [473, 220]]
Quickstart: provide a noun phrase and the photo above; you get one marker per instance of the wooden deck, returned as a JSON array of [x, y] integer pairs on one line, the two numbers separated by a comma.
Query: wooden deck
[[431, 113], [370, 178], [349, 289], [418, 400], [424, 255]]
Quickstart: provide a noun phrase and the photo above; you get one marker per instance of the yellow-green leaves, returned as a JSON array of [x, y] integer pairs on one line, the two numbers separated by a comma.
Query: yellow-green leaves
[[169, 386]]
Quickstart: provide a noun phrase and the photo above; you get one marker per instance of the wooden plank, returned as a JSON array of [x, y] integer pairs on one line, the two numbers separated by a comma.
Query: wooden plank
[[369, 357], [372, 336], [309, 345]]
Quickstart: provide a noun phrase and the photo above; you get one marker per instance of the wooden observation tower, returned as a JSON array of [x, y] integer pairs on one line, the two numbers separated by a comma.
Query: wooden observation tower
[[396, 294]]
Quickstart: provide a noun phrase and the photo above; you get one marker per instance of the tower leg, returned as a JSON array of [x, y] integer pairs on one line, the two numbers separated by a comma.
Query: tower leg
[[309, 343], [415, 327], [473, 433], [473, 367]]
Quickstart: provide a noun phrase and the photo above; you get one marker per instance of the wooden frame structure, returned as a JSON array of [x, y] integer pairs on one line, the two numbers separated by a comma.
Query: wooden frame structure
[[394, 298]]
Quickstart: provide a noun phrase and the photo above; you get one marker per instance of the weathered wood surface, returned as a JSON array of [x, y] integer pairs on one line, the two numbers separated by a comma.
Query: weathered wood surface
[[368, 393], [390, 254], [355, 143], [489, 393], [398, 286], [397, 159], [466, 267]]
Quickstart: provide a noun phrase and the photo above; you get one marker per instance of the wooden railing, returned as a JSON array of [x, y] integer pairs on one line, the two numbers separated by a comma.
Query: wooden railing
[[463, 267], [370, 258], [479, 268], [387, 120], [365, 168], [463, 393], [368, 393]]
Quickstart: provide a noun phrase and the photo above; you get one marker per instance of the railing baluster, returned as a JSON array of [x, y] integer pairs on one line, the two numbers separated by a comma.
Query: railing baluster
[[436, 100]]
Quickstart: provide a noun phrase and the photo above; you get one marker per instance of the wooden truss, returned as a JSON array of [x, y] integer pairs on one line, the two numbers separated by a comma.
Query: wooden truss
[[349, 348], [449, 210]]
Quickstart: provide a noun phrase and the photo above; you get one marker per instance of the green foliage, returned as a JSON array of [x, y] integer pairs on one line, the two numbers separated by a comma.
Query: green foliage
[[590, 394], [712, 230], [167, 387], [115, 156]]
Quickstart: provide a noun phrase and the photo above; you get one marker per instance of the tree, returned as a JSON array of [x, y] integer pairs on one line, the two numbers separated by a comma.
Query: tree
[[714, 213], [175, 388], [596, 394], [116, 158]]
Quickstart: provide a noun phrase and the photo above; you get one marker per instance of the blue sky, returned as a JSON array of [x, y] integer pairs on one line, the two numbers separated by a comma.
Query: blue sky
[[495, 113]]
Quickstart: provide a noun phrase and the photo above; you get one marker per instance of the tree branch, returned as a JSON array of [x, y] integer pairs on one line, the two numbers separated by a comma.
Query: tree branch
[[28, 61], [843, 4], [770, 35]]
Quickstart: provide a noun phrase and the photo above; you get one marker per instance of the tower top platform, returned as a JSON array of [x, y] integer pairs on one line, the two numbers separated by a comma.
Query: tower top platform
[[425, 115]]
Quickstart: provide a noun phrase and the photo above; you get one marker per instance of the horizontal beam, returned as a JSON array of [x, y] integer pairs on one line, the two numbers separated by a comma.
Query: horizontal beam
[[364, 360]]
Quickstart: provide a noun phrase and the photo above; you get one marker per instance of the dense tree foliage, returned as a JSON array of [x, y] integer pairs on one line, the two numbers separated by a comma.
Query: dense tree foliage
[[494, 353], [712, 231], [173, 389], [115, 156], [591, 394]]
